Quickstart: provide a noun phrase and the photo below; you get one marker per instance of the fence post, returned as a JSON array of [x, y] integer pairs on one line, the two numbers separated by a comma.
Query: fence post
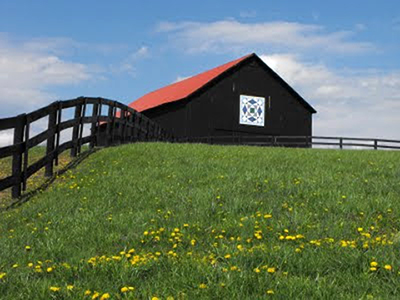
[[26, 153], [341, 143], [17, 156], [51, 139], [95, 112], [58, 122], [109, 124], [376, 144], [75, 129]]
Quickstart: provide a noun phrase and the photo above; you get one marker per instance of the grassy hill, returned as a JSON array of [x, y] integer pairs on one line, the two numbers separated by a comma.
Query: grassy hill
[[200, 222]]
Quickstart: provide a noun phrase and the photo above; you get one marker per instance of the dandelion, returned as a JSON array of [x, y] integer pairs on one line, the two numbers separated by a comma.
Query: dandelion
[[2, 275], [87, 292], [270, 292], [15, 266], [373, 264], [95, 295], [105, 296], [70, 287], [203, 286], [54, 288], [30, 265], [257, 270], [271, 270], [124, 289], [27, 248], [388, 267], [360, 229], [227, 256], [373, 269], [193, 242], [49, 269]]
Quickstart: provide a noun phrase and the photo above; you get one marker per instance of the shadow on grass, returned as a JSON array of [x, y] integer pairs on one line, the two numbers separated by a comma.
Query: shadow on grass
[[72, 164]]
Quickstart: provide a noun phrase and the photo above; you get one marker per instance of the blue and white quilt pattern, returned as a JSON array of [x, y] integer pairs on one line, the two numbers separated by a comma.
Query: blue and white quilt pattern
[[252, 110]]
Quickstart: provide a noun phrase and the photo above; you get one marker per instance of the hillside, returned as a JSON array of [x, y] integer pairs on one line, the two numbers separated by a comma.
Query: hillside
[[199, 222]]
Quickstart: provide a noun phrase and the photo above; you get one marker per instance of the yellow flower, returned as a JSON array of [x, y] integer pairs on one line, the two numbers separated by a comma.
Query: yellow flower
[[155, 298], [228, 256], [105, 296], [267, 216], [124, 289], [270, 292], [88, 292], [95, 295], [388, 267], [70, 287], [27, 248], [271, 270], [2, 275], [49, 269], [203, 286], [360, 229], [54, 289], [193, 242], [170, 298], [373, 264], [15, 266], [257, 270], [30, 265], [373, 269]]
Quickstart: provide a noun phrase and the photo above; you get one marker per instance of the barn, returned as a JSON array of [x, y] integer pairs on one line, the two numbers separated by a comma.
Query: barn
[[243, 97]]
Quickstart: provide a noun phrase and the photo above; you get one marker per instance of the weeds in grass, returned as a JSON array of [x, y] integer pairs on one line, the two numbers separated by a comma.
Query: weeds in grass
[[174, 221]]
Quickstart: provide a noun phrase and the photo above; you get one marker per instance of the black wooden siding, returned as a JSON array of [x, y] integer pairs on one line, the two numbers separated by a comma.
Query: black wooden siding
[[215, 111]]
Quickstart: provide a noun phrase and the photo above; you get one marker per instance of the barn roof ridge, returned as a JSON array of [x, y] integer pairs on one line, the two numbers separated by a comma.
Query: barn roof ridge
[[185, 88]]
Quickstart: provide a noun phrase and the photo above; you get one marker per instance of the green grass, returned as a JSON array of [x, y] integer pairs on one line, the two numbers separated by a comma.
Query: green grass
[[36, 180], [210, 222]]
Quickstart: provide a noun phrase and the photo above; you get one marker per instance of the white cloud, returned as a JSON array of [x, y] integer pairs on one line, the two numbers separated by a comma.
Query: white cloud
[[354, 103], [180, 78], [128, 64], [26, 74], [223, 36], [6, 138]]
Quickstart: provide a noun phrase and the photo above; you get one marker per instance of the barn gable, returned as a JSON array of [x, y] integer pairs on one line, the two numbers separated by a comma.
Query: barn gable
[[197, 83], [242, 97]]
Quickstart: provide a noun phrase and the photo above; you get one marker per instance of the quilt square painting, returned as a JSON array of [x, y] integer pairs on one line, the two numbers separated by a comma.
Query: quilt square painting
[[252, 110]]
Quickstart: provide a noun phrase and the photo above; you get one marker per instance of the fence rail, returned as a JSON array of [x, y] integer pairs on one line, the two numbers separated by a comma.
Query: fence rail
[[121, 124], [296, 141]]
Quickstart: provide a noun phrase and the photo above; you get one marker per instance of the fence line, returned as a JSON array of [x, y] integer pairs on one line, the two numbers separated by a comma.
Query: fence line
[[122, 124], [294, 141]]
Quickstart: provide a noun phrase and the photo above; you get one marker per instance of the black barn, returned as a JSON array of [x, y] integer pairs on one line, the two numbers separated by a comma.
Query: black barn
[[240, 98]]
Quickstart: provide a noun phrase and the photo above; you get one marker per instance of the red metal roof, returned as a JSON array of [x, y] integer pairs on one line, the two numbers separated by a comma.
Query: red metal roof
[[182, 89]]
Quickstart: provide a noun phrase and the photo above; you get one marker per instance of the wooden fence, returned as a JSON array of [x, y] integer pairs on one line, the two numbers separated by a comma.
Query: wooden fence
[[297, 141], [120, 124]]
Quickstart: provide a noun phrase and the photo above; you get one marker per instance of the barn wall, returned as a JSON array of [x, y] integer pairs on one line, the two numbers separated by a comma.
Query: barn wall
[[216, 111], [172, 117]]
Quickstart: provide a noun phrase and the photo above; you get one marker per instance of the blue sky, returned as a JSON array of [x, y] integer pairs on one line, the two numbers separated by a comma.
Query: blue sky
[[341, 56]]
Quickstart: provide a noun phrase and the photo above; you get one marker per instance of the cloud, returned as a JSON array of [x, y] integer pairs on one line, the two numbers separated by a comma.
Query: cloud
[[128, 64], [27, 74], [356, 103], [180, 78], [228, 35]]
